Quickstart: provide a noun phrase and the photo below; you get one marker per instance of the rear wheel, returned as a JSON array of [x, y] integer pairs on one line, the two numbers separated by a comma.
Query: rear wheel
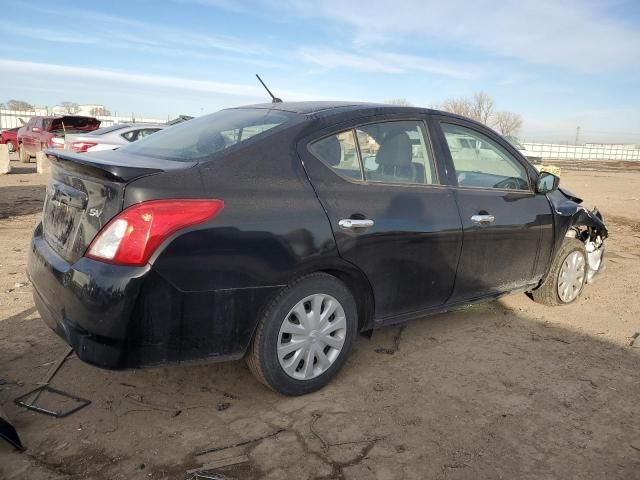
[[24, 155], [304, 336], [567, 276], [11, 146]]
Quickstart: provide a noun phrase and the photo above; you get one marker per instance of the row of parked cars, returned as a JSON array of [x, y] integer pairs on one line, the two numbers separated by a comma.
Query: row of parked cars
[[74, 133]]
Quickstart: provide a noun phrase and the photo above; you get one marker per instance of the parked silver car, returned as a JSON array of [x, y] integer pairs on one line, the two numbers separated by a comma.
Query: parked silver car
[[110, 138]]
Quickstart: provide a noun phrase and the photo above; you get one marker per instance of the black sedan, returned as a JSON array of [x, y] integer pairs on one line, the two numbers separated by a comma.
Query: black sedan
[[278, 232]]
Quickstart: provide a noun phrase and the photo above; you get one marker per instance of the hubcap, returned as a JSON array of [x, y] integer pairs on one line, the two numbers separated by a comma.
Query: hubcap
[[311, 336], [571, 277]]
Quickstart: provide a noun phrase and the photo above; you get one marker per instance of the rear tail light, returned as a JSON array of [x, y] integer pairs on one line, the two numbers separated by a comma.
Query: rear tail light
[[57, 142], [131, 237], [82, 146]]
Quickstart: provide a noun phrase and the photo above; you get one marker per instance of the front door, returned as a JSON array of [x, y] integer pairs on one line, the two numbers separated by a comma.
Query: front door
[[503, 219], [380, 186]]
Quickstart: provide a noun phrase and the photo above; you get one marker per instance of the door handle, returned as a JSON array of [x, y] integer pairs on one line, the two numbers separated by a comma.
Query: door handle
[[350, 224], [483, 219]]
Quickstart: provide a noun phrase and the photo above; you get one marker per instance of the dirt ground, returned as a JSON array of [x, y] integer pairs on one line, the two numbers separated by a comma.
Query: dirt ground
[[508, 389]]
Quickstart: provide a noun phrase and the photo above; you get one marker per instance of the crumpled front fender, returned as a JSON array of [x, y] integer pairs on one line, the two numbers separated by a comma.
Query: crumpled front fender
[[573, 219]]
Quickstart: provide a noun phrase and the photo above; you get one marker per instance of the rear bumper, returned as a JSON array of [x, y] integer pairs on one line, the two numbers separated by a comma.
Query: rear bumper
[[128, 317], [89, 304]]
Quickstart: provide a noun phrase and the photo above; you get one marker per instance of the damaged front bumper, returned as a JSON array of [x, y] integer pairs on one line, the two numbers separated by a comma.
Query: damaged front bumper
[[595, 259], [589, 227]]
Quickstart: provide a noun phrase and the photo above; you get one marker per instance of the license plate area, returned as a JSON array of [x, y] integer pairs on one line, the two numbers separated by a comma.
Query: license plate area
[[63, 208]]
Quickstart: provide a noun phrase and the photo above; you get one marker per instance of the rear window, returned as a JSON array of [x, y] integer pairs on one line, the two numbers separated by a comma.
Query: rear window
[[200, 138]]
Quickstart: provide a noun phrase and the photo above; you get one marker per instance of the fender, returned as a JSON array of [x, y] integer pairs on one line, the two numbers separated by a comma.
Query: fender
[[571, 218]]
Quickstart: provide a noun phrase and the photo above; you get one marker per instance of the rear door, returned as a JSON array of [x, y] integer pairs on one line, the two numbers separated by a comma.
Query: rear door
[[503, 219], [391, 215]]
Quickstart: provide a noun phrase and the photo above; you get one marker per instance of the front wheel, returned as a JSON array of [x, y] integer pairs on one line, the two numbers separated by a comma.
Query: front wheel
[[567, 275], [305, 335], [11, 146]]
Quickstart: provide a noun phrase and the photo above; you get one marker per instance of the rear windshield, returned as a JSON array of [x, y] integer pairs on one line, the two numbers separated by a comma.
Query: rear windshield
[[200, 138]]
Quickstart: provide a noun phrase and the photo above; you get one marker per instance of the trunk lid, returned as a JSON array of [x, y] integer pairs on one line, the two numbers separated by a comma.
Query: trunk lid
[[72, 124], [85, 191]]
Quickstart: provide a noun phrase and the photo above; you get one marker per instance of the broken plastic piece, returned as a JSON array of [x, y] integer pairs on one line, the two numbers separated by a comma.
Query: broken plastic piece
[[9, 433]]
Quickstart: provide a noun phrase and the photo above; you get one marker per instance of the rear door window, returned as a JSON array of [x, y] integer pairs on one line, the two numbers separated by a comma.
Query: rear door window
[[397, 152], [203, 137], [388, 152]]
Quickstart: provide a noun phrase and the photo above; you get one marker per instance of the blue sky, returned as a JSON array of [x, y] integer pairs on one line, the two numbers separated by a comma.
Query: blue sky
[[559, 64]]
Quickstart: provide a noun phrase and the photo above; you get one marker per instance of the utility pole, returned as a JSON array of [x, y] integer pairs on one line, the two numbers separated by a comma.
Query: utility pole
[[577, 134]]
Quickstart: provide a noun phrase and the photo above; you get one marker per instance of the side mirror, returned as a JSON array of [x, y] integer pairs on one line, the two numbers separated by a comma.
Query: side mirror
[[547, 182], [35, 130]]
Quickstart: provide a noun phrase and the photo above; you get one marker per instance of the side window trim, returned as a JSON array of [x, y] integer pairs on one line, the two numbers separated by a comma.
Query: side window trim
[[440, 120]]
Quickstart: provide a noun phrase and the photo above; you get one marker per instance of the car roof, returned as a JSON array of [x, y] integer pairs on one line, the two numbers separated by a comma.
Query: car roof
[[331, 108]]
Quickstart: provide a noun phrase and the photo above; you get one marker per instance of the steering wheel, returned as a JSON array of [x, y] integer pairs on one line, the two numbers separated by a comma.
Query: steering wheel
[[511, 183]]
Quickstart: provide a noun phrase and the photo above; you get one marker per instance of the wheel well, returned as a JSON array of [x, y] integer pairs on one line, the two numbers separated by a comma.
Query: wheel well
[[362, 293]]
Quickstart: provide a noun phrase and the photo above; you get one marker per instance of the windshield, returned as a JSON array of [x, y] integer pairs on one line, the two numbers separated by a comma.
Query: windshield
[[200, 138]]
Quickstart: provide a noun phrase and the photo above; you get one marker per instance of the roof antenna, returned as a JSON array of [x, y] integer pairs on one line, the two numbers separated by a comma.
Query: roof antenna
[[274, 99]]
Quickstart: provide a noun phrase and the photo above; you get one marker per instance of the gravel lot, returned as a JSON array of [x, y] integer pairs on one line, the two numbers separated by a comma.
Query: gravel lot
[[508, 389]]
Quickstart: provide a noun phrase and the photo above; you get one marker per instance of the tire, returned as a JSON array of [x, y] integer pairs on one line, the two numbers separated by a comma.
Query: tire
[[11, 146], [267, 361], [549, 292], [24, 155]]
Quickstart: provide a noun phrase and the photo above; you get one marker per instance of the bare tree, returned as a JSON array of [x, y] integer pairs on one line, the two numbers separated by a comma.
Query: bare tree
[[507, 123], [100, 111], [483, 108], [70, 107], [402, 102], [459, 106], [19, 105]]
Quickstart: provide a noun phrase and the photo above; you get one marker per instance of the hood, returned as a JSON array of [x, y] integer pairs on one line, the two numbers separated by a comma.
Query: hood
[[570, 195]]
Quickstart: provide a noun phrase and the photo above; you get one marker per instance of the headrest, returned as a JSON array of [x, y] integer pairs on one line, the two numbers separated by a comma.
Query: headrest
[[395, 150], [210, 142], [328, 150]]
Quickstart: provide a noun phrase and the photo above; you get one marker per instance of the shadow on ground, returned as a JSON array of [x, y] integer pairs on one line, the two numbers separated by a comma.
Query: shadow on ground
[[481, 393], [21, 200]]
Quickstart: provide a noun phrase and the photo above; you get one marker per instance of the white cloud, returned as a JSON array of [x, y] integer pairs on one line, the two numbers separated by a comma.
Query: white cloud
[[384, 62], [580, 34], [119, 32], [52, 71]]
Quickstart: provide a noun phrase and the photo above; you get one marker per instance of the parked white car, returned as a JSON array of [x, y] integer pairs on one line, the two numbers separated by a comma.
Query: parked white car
[[110, 138]]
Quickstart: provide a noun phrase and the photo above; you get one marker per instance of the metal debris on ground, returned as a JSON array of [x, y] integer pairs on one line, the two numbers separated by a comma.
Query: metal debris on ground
[[396, 343], [634, 340], [206, 471], [239, 444], [77, 403], [204, 475]]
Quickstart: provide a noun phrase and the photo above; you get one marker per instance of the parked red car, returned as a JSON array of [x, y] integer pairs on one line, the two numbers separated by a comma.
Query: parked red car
[[10, 138], [41, 133]]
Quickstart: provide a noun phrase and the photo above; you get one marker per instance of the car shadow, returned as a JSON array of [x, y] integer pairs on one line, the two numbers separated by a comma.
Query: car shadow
[[463, 395]]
